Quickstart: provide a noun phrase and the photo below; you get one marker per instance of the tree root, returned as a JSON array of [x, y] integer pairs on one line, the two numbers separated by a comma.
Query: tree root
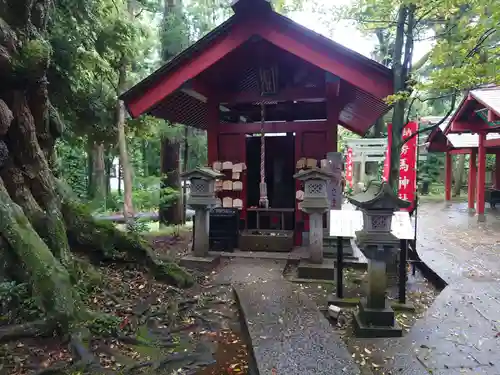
[[77, 347], [38, 328], [60, 368], [107, 242]]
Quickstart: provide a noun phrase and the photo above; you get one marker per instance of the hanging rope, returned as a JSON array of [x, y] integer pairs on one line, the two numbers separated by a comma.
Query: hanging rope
[[263, 201]]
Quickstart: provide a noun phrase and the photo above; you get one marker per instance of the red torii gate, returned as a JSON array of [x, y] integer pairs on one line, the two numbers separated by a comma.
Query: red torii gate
[[472, 129]]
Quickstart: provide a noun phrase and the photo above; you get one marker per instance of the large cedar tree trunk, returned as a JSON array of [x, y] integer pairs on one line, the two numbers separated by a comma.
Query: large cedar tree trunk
[[40, 224], [170, 212], [128, 209]]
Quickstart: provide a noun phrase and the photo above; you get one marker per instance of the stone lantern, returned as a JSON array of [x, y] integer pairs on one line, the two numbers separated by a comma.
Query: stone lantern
[[378, 204], [201, 199], [315, 203]]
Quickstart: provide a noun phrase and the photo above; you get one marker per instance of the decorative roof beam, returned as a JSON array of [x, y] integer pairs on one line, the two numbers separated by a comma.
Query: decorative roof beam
[[296, 44], [162, 88], [492, 116], [290, 94]]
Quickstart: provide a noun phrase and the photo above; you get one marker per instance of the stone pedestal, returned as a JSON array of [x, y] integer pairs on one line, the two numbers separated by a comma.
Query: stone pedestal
[[377, 284], [375, 318], [200, 235], [316, 237]]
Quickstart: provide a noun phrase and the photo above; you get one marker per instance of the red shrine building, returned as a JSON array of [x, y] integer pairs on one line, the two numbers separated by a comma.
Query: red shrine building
[[474, 129], [260, 72]]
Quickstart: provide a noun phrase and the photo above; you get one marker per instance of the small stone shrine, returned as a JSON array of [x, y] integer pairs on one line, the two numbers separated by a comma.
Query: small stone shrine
[[201, 199], [378, 203], [315, 203]]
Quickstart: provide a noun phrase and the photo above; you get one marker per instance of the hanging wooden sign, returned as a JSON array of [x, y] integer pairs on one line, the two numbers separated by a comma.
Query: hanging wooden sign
[[268, 81]]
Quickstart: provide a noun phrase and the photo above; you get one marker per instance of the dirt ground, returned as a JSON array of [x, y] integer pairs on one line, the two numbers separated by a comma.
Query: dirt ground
[[149, 328], [369, 354]]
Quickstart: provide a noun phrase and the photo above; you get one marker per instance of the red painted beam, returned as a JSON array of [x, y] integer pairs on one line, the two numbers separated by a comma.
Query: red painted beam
[[459, 126], [212, 132], [347, 69], [290, 94], [497, 170], [481, 178], [161, 89], [272, 127], [462, 108], [459, 151], [333, 107], [448, 177], [492, 116], [492, 143], [472, 180]]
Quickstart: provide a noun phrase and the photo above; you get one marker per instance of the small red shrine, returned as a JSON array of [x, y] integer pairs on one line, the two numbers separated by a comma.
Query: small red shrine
[[261, 73], [472, 129]]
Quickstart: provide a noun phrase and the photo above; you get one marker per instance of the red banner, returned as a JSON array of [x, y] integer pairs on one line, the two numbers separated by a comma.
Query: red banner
[[408, 166], [348, 167]]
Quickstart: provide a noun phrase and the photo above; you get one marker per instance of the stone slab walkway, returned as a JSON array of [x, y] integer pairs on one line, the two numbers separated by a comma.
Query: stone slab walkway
[[459, 334], [288, 333], [455, 245]]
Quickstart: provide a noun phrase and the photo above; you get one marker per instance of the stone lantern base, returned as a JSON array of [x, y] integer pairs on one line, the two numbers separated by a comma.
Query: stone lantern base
[[201, 263], [373, 323], [316, 271]]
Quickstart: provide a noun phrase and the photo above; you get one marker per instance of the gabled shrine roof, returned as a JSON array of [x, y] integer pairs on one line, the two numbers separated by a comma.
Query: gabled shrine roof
[[445, 138], [172, 92]]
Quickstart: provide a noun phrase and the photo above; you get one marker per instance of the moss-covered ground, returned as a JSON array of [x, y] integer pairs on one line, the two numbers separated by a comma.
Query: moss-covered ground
[[142, 326]]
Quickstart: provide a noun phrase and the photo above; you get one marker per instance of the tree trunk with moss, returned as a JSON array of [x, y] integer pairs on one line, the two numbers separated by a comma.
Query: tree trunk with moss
[[40, 224]]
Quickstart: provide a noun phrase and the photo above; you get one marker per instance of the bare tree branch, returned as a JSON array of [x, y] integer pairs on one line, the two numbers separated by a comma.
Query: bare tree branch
[[432, 127]]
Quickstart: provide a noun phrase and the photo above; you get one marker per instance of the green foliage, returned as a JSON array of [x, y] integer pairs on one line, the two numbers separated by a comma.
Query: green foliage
[[430, 170], [34, 54], [104, 325], [138, 227], [17, 303], [147, 196], [72, 165]]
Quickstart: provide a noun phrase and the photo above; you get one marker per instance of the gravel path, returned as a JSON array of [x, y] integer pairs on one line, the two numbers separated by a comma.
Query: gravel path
[[289, 334]]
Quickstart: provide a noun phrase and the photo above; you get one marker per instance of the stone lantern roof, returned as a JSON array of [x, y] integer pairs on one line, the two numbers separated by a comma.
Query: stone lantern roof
[[378, 196], [313, 174], [202, 173]]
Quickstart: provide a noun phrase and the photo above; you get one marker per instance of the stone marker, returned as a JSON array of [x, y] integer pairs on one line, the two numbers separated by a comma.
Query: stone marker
[[378, 204], [201, 199]]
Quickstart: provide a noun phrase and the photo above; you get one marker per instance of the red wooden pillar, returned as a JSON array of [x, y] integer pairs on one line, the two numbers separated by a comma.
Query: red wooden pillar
[[332, 114], [472, 179], [448, 176], [497, 171], [481, 176], [212, 132], [298, 212]]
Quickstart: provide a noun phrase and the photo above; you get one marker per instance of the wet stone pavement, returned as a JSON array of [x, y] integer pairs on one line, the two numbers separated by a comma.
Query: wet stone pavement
[[289, 335], [455, 245], [460, 333]]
